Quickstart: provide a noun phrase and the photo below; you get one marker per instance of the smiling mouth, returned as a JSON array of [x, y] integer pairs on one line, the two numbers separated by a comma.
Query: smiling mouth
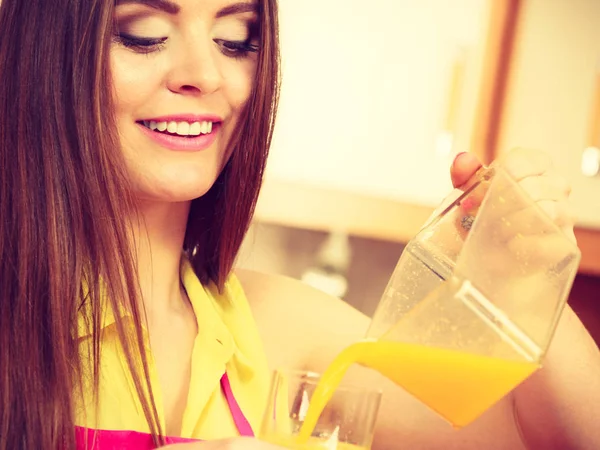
[[182, 129]]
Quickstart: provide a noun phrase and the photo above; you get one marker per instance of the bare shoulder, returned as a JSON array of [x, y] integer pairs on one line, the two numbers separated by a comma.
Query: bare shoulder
[[266, 292], [301, 326], [304, 328]]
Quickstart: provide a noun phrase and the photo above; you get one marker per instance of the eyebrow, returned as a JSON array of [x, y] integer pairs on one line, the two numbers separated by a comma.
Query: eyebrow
[[238, 8], [163, 5], [173, 8]]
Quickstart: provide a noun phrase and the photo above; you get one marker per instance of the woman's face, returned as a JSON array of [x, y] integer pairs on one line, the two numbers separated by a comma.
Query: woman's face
[[182, 72]]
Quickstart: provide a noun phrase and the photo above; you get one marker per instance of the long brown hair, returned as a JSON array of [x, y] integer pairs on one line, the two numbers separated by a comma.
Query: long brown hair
[[63, 199], [219, 220]]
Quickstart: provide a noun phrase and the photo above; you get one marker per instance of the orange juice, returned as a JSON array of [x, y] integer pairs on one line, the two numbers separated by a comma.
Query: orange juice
[[294, 443], [458, 386]]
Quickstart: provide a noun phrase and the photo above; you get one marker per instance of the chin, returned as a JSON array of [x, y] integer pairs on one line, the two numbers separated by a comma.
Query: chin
[[183, 193], [174, 190]]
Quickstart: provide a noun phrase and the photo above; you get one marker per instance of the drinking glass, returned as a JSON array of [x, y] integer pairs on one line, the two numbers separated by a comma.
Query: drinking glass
[[346, 423]]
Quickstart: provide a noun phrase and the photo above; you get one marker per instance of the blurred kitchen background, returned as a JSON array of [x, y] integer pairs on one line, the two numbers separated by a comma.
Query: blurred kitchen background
[[377, 99]]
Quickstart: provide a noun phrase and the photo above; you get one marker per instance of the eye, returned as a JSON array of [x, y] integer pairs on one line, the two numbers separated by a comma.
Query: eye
[[236, 49], [141, 44]]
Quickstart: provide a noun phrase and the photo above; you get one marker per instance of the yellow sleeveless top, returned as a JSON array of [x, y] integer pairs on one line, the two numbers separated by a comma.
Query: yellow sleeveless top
[[227, 342]]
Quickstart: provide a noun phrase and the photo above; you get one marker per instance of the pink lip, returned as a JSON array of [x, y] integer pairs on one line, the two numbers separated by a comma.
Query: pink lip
[[182, 143], [191, 118]]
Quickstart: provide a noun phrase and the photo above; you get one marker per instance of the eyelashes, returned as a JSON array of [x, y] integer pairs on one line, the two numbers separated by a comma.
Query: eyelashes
[[143, 45], [236, 49]]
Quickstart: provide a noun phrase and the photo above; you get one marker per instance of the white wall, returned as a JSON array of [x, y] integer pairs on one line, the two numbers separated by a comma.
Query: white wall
[[552, 88], [365, 92]]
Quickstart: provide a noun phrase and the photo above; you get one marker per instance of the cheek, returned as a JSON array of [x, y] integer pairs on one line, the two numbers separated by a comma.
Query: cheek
[[238, 80], [133, 78]]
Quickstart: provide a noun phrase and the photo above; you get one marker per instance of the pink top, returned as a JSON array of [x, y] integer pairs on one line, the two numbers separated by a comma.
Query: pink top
[[134, 440]]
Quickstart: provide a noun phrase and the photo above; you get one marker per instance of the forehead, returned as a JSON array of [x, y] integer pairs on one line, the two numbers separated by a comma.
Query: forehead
[[223, 7]]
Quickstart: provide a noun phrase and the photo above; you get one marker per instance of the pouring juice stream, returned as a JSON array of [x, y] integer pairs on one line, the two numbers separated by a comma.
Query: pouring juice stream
[[458, 386], [464, 321]]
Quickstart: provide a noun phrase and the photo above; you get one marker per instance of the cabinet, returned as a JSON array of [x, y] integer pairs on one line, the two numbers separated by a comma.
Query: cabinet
[[377, 98], [552, 100]]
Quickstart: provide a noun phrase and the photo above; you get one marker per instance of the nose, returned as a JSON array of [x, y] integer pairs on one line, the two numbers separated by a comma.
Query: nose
[[194, 68]]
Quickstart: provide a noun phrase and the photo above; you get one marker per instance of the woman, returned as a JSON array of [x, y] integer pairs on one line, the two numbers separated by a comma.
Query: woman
[[133, 130]]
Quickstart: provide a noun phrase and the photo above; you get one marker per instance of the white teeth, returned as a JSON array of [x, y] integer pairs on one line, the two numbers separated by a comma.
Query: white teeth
[[183, 128], [180, 128], [195, 129]]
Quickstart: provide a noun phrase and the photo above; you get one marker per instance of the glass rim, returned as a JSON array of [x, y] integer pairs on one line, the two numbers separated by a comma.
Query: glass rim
[[313, 377]]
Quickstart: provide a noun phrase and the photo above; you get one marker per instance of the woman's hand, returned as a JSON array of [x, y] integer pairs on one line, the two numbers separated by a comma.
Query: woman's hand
[[515, 235], [558, 406], [534, 172], [242, 443]]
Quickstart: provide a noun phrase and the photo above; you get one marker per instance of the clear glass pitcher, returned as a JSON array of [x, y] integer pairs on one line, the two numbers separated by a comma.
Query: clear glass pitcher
[[477, 295]]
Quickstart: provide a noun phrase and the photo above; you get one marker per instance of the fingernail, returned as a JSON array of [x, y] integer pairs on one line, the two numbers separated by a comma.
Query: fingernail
[[459, 156]]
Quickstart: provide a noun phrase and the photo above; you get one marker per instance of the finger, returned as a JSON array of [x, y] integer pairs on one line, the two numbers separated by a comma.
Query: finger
[[549, 186], [533, 237], [521, 163], [559, 212], [569, 231], [464, 167], [553, 214], [471, 202], [549, 190], [541, 252], [540, 218]]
